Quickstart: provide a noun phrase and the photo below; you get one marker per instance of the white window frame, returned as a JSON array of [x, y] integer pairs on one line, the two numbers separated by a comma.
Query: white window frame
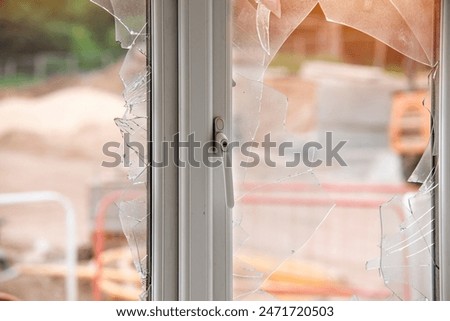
[[190, 243], [163, 123]]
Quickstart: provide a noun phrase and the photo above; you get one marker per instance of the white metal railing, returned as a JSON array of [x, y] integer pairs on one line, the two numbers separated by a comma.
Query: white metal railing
[[71, 246]]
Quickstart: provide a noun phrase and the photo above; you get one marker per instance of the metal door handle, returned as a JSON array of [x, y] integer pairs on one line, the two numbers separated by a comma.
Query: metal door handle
[[223, 149]]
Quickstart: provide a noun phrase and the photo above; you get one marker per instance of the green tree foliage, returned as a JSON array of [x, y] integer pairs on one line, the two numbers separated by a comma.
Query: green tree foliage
[[78, 27]]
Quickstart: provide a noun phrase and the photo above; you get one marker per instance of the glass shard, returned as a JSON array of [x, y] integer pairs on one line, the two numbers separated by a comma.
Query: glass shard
[[130, 17], [134, 147], [135, 77], [420, 18], [263, 25], [424, 167], [406, 263], [394, 31], [251, 59], [133, 216], [274, 6]]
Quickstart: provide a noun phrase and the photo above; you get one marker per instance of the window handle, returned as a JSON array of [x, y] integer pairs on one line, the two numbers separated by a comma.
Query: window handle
[[224, 151]]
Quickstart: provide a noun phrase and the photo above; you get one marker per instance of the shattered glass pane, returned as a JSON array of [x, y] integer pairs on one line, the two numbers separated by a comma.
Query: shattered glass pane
[[131, 27], [283, 218]]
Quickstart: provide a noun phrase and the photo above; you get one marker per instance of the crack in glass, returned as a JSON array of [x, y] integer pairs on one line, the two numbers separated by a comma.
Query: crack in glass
[[406, 261], [130, 18]]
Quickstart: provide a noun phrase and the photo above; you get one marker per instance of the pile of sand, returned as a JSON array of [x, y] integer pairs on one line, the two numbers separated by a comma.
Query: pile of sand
[[74, 121]]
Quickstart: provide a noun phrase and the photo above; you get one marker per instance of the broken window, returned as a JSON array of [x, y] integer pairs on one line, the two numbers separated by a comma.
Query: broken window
[[306, 219]]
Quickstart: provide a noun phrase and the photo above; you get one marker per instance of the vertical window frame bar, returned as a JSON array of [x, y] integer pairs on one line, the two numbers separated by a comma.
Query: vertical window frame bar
[[444, 157], [163, 195], [205, 93]]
